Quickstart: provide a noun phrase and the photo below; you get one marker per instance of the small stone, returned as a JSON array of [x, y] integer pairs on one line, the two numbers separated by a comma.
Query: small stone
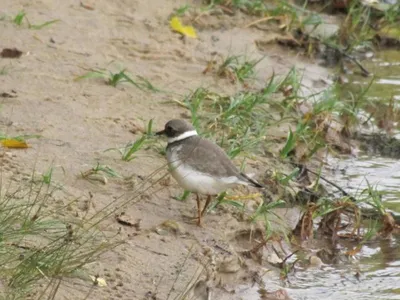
[[315, 261], [369, 54], [126, 220], [273, 258]]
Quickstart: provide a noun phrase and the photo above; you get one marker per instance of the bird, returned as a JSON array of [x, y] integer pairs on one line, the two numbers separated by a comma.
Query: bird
[[199, 165]]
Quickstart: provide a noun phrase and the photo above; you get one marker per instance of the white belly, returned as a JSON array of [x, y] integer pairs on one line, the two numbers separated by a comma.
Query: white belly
[[197, 182]]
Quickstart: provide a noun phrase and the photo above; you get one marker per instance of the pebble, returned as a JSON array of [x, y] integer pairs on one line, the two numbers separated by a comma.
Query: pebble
[[315, 261]]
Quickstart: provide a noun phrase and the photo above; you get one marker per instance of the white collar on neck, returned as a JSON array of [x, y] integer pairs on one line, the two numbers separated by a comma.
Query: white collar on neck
[[183, 136]]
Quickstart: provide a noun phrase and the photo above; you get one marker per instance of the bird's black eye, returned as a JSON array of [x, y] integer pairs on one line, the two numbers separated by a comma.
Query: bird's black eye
[[169, 130]]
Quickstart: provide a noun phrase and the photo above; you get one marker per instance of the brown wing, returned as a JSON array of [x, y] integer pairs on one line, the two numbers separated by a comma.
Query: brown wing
[[217, 161]]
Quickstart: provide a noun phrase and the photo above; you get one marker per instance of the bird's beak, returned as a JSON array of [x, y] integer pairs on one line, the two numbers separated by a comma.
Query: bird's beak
[[160, 132]]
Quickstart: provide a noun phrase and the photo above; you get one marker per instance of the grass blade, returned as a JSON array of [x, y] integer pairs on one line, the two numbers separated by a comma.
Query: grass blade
[[290, 144]]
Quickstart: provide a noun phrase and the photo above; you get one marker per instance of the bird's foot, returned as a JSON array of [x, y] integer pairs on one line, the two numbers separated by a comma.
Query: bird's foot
[[193, 220]]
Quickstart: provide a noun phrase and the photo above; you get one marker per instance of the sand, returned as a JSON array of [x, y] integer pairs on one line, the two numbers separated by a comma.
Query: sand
[[79, 120]]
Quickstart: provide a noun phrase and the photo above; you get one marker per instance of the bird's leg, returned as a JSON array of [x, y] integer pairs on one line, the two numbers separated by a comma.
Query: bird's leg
[[199, 212], [206, 205]]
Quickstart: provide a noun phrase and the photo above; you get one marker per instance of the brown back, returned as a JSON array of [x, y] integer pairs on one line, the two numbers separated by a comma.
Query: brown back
[[197, 151]]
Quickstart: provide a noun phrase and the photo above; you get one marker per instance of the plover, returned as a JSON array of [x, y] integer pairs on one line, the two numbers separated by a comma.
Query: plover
[[199, 165]]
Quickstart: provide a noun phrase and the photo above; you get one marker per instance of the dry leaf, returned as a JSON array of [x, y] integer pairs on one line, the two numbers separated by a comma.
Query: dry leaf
[[177, 26], [10, 53], [125, 220], [288, 41], [13, 143]]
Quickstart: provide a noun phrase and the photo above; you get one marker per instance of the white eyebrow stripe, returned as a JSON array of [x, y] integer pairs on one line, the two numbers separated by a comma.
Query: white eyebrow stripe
[[183, 136]]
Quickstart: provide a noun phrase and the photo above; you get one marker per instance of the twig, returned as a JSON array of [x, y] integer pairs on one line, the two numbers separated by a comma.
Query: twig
[[152, 251], [302, 167], [261, 20], [331, 183], [364, 71], [364, 211]]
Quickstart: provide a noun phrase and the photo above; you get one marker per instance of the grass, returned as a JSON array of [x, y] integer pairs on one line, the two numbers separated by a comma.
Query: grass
[[263, 209], [361, 24], [373, 198], [355, 31], [21, 16], [185, 195], [237, 119], [361, 225], [47, 177], [38, 247], [249, 6], [120, 77], [240, 122], [392, 15], [129, 151], [329, 120], [181, 11], [103, 169], [100, 173], [235, 68], [44, 245], [289, 145]]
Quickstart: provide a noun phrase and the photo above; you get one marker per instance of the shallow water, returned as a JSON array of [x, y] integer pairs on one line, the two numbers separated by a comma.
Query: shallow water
[[377, 263], [385, 67], [379, 268], [354, 174], [382, 172]]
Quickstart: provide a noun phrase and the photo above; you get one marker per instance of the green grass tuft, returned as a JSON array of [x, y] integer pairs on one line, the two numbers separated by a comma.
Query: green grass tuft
[[37, 246], [115, 79], [19, 18]]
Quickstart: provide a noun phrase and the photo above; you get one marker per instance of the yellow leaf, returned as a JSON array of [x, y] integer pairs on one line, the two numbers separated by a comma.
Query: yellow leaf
[[13, 143], [98, 281], [177, 26]]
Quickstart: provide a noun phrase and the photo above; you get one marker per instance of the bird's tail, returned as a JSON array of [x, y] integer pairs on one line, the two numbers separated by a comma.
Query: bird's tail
[[252, 181]]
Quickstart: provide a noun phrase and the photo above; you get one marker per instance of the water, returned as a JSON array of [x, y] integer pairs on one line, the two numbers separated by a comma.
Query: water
[[354, 174], [374, 272], [382, 172], [385, 67], [378, 263], [379, 268]]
